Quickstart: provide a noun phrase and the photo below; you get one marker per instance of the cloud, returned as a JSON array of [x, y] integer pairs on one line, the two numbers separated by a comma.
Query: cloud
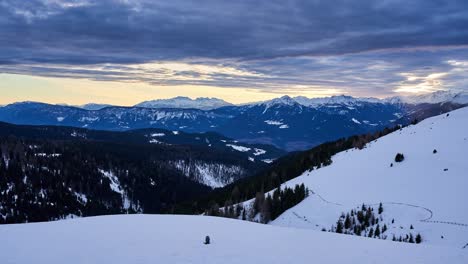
[[120, 31], [367, 47]]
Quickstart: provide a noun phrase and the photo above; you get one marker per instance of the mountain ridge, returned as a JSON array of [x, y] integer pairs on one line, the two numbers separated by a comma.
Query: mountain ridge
[[282, 122]]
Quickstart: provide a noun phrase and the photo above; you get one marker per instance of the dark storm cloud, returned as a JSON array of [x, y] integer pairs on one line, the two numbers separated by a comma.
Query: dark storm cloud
[[359, 47], [121, 31]]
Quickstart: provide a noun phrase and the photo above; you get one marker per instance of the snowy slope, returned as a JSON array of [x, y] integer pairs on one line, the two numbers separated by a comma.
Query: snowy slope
[[426, 190], [179, 239]]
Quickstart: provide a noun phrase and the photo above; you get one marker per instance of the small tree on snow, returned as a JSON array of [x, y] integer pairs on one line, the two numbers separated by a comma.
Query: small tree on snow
[[339, 227], [418, 238], [399, 157], [377, 231], [347, 223]]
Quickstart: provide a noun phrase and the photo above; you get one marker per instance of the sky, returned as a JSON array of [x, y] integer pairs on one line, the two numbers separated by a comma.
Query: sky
[[123, 52]]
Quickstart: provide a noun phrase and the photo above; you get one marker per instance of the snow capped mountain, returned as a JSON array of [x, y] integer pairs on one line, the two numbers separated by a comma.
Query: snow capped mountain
[[281, 122], [149, 239], [430, 98], [289, 123], [422, 194], [284, 103], [437, 97], [284, 100], [203, 103], [334, 100], [94, 106]]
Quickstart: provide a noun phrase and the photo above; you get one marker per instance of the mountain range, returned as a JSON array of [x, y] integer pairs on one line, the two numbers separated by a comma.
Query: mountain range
[[182, 102], [288, 123]]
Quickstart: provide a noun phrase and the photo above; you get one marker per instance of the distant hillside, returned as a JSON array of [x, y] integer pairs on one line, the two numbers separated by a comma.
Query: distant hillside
[[49, 173]]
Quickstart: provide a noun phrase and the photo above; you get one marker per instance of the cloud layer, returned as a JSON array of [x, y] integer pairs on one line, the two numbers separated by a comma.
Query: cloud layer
[[361, 47]]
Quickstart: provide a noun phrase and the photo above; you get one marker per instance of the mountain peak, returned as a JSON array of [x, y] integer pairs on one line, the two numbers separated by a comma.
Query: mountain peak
[[283, 100], [436, 97], [204, 103], [335, 99], [94, 106]]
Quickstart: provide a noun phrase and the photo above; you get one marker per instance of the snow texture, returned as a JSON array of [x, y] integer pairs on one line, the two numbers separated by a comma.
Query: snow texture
[[214, 175], [427, 190], [238, 148], [148, 239]]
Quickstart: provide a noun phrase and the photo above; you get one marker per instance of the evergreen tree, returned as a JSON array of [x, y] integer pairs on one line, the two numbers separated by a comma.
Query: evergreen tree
[[380, 208], [347, 223], [418, 238], [266, 214], [399, 157], [377, 231], [339, 227]]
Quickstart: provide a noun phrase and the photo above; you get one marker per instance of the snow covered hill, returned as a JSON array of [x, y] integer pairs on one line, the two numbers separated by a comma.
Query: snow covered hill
[[426, 193], [179, 239]]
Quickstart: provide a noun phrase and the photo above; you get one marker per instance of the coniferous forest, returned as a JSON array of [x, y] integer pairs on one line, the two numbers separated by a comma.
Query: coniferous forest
[[53, 177], [282, 170]]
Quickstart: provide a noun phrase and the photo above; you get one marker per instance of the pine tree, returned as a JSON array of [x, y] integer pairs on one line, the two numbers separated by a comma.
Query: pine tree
[[384, 228], [411, 239], [399, 157], [380, 208], [339, 227], [418, 238], [266, 213], [347, 223], [377, 231], [258, 202], [371, 232]]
